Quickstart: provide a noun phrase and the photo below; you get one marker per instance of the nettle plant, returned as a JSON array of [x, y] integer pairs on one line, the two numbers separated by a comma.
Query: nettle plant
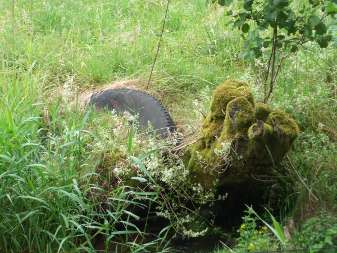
[[274, 29]]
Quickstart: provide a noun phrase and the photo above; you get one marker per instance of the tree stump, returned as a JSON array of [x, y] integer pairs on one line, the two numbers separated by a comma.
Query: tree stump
[[241, 141]]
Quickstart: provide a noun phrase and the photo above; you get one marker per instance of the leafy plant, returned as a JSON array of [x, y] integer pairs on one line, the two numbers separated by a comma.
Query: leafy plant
[[275, 227], [54, 195], [273, 29], [252, 236], [318, 234]]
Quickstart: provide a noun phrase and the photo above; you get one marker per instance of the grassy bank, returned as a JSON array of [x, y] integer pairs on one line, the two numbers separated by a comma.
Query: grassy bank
[[50, 196]]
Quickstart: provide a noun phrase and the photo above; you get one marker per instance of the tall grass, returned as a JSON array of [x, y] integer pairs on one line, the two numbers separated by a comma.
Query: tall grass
[[48, 161], [49, 202]]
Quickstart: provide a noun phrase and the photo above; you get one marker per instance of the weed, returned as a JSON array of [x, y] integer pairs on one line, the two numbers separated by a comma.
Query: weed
[[61, 168]]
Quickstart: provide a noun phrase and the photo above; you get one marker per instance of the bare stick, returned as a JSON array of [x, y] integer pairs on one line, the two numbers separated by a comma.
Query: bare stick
[[271, 85], [159, 43]]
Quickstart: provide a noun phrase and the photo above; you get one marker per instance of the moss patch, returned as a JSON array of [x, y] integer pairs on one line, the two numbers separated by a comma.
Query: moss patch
[[225, 93], [239, 138], [262, 111]]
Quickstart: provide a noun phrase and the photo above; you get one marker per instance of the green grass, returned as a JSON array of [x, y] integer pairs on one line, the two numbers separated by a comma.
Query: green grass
[[106, 40], [46, 166]]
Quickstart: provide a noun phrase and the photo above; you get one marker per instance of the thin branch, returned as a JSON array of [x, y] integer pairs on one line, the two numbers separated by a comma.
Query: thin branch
[[268, 69], [301, 179], [271, 85], [159, 43], [279, 66]]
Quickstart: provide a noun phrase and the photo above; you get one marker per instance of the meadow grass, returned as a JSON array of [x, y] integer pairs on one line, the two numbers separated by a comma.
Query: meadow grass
[[45, 163]]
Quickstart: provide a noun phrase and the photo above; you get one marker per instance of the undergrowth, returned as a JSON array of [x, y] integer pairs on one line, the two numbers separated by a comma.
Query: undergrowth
[[59, 165], [49, 198]]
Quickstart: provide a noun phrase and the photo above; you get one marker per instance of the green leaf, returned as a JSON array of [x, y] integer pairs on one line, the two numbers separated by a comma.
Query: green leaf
[[131, 135], [278, 229], [244, 15], [271, 16], [142, 168], [257, 52], [320, 28], [282, 17], [291, 26], [275, 228], [307, 31], [323, 41], [248, 5], [294, 48], [224, 2], [245, 28], [279, 44], [314, 2], [331, 8], [266, 43], [280, 3], [280, 37], [314, 20], [247, 54], [241, 19]]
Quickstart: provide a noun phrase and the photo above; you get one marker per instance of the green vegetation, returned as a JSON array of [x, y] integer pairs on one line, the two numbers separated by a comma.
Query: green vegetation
[[58, 163], [278, 28], [234, 144], [317, 234]]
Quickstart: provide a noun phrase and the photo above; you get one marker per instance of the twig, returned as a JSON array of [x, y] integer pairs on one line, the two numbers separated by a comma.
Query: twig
[[301, 179], [159, 43], [267, 74], [186, 144], [271, 85], [278, 68]]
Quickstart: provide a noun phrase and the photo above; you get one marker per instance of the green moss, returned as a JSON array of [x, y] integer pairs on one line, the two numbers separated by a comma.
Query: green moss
[[259, 131], [226, 92], [260, 135], [283, 124], [200, 166], [262, 111], [239, 116], [210, 131], [255, 138], [269, 142], [285, 131]]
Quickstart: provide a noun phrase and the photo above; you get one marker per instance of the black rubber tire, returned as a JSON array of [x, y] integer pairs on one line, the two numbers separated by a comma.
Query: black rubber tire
[[149, 109]]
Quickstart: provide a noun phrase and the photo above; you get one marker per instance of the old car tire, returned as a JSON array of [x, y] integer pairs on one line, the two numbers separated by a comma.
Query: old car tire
[[149, 109]]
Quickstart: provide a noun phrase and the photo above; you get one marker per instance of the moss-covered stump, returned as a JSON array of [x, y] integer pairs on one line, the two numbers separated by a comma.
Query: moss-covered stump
[[240, 140]]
